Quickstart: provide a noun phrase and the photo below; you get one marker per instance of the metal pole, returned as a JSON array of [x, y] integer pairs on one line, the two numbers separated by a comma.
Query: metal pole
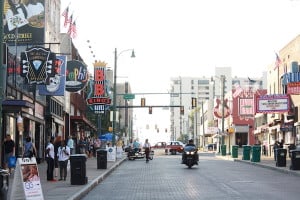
[[114, 98], [222, 100], [203, 142], [2, 89]]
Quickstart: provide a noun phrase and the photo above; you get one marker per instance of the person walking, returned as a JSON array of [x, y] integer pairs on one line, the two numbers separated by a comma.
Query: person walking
[[9, 150], [147, 148], [29, 148], [63, 155], [70, 144], [50, 160]]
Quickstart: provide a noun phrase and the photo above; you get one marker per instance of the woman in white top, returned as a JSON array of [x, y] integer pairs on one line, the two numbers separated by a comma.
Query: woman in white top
[[63, 155]]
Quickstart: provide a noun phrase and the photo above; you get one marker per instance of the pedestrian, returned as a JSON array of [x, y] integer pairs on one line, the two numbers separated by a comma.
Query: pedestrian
[[29, 148], [9, 150], [275, 147], [56, 144], [281, 143], [97, 145], [147, 148], [63, 158], [50, 160], [70, 144]]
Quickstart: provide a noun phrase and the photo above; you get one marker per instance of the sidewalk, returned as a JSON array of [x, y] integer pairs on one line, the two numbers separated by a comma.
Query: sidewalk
[[64, 189], [265, 161]]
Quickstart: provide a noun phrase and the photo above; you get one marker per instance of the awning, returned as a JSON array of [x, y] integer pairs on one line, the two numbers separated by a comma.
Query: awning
[[10, 106], [20, 103], [82, 119]]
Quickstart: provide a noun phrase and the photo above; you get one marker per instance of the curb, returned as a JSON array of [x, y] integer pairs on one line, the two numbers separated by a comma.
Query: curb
[[286, 171], [86, 189], [258, 164]]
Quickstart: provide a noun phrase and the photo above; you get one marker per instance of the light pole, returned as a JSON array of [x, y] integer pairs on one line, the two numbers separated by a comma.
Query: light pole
[[115, 89]]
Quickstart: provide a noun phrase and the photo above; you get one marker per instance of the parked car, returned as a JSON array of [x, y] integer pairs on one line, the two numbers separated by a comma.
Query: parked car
[[159, 145], [174, 147]]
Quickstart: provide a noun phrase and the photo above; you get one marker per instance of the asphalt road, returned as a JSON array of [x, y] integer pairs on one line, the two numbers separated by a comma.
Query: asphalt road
[[165, 178]]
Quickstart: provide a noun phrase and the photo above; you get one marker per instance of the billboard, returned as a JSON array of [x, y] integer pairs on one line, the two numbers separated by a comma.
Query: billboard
[[276, 103], [24, 22]]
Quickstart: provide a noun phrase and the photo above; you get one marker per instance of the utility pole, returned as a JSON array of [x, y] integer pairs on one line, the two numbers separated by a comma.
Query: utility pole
[[222, 100]]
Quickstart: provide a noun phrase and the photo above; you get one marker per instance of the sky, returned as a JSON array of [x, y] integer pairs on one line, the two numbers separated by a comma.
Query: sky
[[173, 38]]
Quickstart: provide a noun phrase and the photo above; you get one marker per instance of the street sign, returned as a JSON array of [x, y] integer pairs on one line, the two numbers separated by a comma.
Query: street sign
[[128, 96]]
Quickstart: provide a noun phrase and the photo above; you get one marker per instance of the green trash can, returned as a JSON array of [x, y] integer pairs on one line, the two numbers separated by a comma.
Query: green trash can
[[256, 151], [246, 152], [223, 149], [235, 150]]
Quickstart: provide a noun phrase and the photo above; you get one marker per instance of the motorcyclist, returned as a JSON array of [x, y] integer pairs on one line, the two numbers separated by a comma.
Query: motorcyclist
[[196, 156], [136, 146]]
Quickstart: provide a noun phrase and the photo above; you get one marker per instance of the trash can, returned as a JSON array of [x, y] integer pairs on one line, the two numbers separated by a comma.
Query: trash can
[[246, 152], [290, 148], [235, 150], [4, 181], [101, 159], [78, 169], [223, 149], [280, 157], [256, 152], [295, 159]]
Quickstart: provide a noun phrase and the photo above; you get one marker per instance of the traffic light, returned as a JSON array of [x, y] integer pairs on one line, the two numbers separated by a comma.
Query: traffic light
[[182, 110], [143, 102], [150, 109], [194, 102]]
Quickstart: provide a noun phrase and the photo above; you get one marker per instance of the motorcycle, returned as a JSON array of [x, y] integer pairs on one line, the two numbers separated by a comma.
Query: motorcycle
[[133, 154], [191, 156]]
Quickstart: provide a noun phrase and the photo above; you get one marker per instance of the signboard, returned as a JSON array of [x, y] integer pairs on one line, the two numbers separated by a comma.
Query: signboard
[[128, 96], [37, 64], [76, 76], [272, 103], [28, 22], [27, 180], [111, 154], [293, 88], [55, 86], [246, 106]]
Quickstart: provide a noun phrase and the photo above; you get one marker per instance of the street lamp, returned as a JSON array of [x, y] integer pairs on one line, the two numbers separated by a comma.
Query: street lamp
[[115, 89]]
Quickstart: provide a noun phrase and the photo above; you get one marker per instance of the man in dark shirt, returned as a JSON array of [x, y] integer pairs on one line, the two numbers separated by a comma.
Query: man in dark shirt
[[9, 150]]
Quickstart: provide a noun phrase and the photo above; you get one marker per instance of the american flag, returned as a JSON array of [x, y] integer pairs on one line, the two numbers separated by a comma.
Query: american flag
[[65, 14], [277, 62], [72, 29]]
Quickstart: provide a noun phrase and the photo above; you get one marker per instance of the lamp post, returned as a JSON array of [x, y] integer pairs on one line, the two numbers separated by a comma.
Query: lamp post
[[115, 88]]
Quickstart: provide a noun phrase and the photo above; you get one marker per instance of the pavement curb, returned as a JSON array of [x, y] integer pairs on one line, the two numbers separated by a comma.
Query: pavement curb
[[291, 172], [258, 164], [91, 185]]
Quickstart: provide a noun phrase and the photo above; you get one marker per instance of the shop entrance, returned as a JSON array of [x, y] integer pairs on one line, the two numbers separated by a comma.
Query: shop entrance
[[241, 138]]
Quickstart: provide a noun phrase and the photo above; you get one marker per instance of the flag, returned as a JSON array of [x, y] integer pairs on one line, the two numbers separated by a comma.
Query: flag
[[277, 62], [65, 14], [72, 31]]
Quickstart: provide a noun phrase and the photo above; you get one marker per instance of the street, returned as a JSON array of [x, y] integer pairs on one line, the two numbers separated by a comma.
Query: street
[[165, 178]]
